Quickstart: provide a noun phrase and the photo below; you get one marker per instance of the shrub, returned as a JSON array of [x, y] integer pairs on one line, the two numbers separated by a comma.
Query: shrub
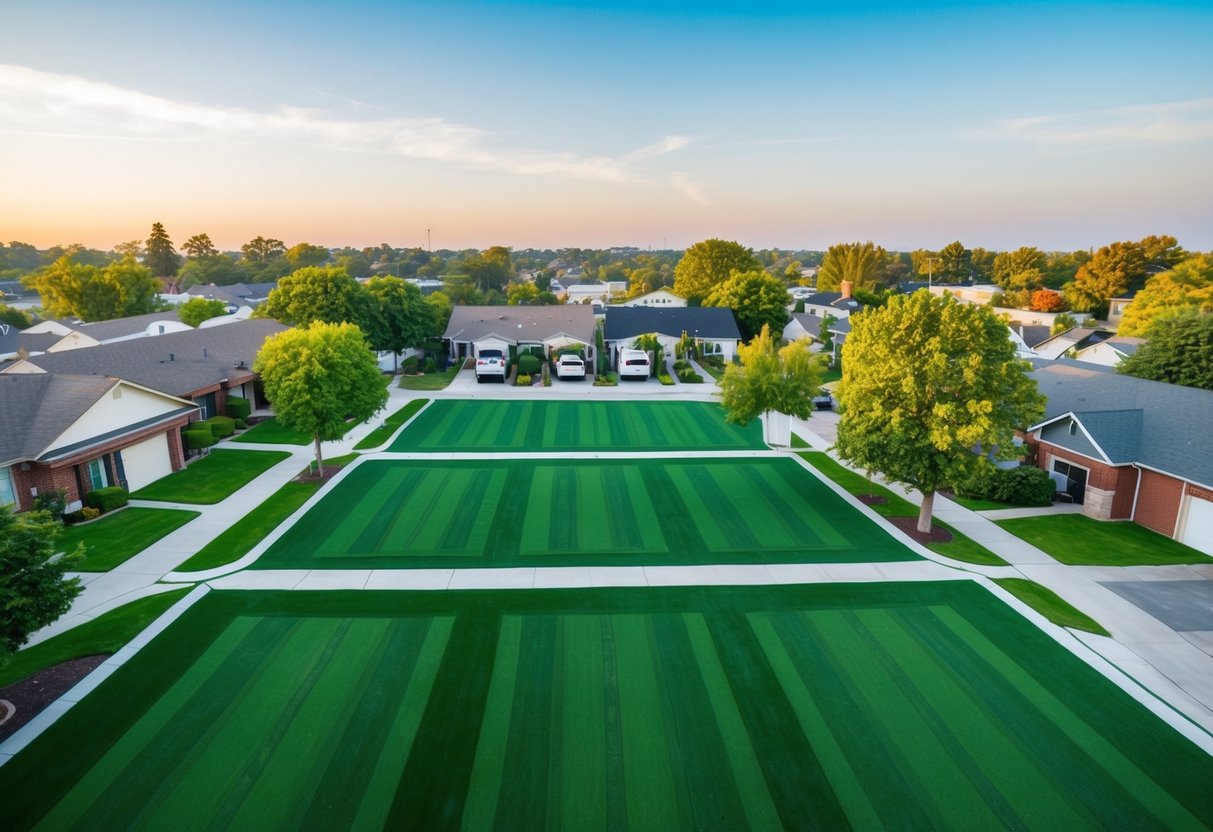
[[241, 424], [547, 376], [198, 439], [1025, 486], [665, 379], [90, 513], [524, 380], [606, 379], [53, 500], [220, 426], [979, 485], [430, 365], [409, 365], [239, 409], [107, 499], [528, 364]]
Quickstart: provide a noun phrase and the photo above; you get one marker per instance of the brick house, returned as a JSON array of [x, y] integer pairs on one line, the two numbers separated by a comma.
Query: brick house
[[80, 433], [1129, 449]]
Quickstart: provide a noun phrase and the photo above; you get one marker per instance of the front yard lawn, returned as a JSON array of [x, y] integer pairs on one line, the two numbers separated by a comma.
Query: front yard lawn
[[273, 432], [1049, 604], [213, 478], [431, 381], [115, 538], [384, 432], [1077, 540]]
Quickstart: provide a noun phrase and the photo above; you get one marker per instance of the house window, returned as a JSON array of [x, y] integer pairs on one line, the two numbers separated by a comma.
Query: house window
[[8, 494], [96, 474]]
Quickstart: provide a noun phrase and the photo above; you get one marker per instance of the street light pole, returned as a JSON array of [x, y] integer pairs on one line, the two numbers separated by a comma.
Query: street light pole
[[931, 261]]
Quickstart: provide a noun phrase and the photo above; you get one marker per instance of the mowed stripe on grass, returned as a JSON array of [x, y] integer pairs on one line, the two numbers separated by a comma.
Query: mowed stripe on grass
[[450, 425], [419, 513], [921, 705]]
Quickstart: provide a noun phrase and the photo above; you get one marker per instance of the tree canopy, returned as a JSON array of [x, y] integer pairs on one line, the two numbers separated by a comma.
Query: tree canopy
[[67, 288], [404, 319], [770, 380], [34, 591], [1179, 350], [302, 255], [1188, 285], [1019, 269], [199, 245], [160, 256], [319, 376], [707, 264], [196, 310], [1120, 268], [318, 293], [925, 382], [863, 264], [757, 299]]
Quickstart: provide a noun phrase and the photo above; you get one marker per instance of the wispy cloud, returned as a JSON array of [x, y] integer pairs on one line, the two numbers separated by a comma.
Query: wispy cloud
[[689, 188], [33, 101], [1169, 123]]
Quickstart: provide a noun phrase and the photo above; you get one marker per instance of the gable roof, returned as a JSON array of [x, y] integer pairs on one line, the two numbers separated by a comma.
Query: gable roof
[[1034, 334], [834, 299], [697, 321], [1171, 422], [178, 363], [1078, 336], [516, 324], [811, 324]]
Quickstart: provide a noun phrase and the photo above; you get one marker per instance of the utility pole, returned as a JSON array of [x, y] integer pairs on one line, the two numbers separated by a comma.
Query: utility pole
[[931, 261], [428, 246]]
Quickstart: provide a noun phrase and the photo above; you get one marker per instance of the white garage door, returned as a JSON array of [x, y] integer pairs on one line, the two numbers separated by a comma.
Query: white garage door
[[146, 461], [1198, 530]]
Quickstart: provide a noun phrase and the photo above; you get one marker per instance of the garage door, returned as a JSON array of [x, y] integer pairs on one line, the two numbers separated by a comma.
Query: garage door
[[1198, 530], [146, 461]]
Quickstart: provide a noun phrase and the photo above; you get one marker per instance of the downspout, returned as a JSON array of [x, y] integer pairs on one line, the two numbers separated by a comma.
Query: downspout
[[1136, 493]]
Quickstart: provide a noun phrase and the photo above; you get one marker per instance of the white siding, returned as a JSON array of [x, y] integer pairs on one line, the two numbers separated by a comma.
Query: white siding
[[1198, 525], [146, 461], [118, 409]]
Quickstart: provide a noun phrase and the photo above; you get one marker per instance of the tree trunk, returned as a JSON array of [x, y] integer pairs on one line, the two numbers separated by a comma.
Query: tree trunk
[[319, 457], [924, 512]]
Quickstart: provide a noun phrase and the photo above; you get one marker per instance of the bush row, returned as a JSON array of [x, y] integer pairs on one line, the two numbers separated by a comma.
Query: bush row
[[107, 499], [1022, 486]]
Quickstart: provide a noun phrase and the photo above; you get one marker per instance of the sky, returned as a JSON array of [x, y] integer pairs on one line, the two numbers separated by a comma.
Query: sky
[[594, 124]]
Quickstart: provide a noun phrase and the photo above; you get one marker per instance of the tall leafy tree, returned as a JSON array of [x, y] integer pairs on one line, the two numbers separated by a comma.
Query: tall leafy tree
[[317, 294], [707, 264], [1188, 285], [34, 587], [489, 270], [160, 256], [404, 319], [863, 264], [263, 249], [318, 377], [1179, 350], [90, 293], [757, 299], [956, 262], [1118, 269], [926, 381], [302, 255], [769, 380], [196, 310], [199, 246], [1012, 264]]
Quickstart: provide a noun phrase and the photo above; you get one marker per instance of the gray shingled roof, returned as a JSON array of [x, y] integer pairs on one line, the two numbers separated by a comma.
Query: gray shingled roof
[[521, 323], [623, 322], [119, 327], [178, 363], [35, 408], [1173, 426], [810, 323], [834, 299]]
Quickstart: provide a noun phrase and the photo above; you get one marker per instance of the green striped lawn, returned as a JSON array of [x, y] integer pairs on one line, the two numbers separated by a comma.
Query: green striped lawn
[[479, 426], [419, 513], [928, 706]]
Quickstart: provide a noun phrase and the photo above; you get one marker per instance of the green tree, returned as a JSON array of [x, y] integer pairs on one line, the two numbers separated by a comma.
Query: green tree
[[196, 310], [1188, 285], [489, 270], [14, 317], [318, 377], [90, 293], [863, 264], [707, 264], [199, 246], [1118, 269], [263, 250], [522, 294], [982, 264], [34, 589], [219, 269], [926, 381], [1011, 264], [756, 298], [1061, 267], [770, 380], [404, 319], [1179, 350], [317, 293], [131, 248], [461, 291], [1063, 323], [161, 257], [440, 311], [302, 255], [955, 263]]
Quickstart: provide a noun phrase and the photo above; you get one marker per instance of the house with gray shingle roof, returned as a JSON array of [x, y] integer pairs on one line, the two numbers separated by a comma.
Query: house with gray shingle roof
[[473, 328], [713, 328], [1109, 352], [83, 432], [1129, 449]]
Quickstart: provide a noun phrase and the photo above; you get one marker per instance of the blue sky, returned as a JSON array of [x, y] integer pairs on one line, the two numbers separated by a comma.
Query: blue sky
[[593, 124]]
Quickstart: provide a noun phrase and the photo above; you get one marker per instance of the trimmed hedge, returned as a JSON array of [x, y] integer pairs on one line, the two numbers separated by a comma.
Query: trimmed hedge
[[196, 440], [220, 426], [528, 364], [239, 408], [1022, 486], [107, 499]]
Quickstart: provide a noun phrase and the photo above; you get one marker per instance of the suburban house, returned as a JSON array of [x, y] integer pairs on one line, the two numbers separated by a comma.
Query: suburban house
[[68, 334], [839, 304], [714, 328], [803, 325], [235, 296], [505, 328], [1076, 339], [83, 432], [204, 366], [585, 292], [1027, 337], [1117, 307], [1129, 449], [660, 298], [1109, 352]]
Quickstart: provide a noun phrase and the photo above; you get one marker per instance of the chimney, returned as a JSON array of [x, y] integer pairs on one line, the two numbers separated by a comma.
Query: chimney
[[845, 288]]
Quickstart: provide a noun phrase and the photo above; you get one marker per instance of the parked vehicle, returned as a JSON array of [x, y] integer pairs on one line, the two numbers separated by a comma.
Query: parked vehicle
[[490, 364], [634, 364], [570, 366]]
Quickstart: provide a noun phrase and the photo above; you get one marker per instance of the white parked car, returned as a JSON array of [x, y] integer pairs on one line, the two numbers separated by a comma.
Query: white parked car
[[634, 364], [490, 364], [570, 366]]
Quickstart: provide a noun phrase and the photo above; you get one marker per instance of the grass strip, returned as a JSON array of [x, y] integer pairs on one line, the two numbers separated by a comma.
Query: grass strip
[[107, 633], [384, 432], [1052, 606], [1078, 540], [960, 547], [116, 538], [209, 480], [273, 432], [978, 505], [431, 381]]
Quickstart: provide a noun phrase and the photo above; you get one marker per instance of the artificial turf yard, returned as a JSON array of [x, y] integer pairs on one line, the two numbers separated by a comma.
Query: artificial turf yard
[[453, 425], [927, 706], [554, 512]]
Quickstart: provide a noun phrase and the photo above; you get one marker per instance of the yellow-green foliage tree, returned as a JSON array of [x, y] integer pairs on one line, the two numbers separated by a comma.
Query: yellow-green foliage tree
[[863, 264], [927, 383], [1187, 286], [757, 299], [707, 264], [196, 310], [124, 287], [769, 380], [319, 377]]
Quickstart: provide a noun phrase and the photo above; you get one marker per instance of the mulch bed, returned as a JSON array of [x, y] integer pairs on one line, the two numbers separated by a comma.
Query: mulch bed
[[909, 525], [871, 499], [330, 471], [30, 696]]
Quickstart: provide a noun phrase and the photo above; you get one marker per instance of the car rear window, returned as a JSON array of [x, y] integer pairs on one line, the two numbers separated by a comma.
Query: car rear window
[[636, 362]]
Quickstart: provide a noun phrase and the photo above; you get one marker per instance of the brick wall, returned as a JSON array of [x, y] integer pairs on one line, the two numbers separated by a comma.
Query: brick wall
[[1158, 502]]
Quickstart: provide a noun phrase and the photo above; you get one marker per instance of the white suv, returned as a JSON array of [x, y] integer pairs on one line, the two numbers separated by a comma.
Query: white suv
[[570, 366], [634, 364], [490, 364]]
